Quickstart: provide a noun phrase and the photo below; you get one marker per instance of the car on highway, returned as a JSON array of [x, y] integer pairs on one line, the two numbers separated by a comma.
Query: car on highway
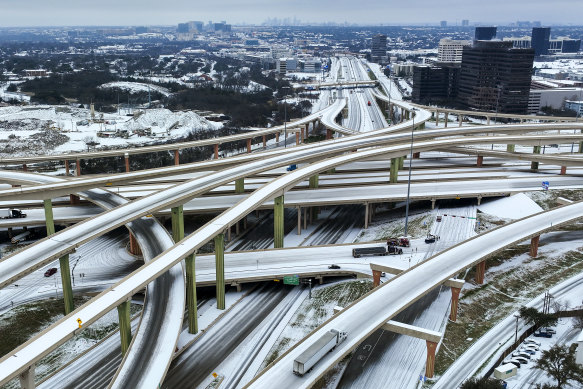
[[50, 271], [333, 267]]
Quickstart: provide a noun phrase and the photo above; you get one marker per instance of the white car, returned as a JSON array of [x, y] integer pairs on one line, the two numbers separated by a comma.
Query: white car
[[513, 361], [521, 354], [531, 341], [520, 359]]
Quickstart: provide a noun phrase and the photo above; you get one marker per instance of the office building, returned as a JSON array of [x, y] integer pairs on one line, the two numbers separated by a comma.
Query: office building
[[465, 23], [451, 50], [495, 77], [443, 23], [564, 45], [555, 98], [540, 40], [378, 52], [182, 28], [435, 84], [485, 33], [576, 106]]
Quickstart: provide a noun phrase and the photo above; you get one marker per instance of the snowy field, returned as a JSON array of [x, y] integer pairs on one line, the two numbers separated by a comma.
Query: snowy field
[[45, 129]]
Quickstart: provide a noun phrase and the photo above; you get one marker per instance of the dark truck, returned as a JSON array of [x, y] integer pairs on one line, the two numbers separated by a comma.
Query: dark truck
[[380, 250], [11, 214]]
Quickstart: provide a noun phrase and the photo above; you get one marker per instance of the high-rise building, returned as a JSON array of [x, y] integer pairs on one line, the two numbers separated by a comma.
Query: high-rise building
[[451, 50], [540, 40], [378, 52], [182, 28], [465, 22], [485, 33], [495, 77], [436, 84], [443, 23]]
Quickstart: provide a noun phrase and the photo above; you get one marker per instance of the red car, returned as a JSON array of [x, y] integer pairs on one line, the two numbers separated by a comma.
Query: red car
[[50, 271]]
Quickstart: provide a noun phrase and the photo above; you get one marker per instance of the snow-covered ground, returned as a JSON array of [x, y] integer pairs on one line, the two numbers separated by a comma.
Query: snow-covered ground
[[135, 87], [45, 129]]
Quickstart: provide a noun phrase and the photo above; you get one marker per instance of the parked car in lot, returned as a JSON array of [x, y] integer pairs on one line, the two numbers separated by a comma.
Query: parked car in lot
[[513, 361], [542, 334], [531, 341], [522, 354], [522, 360], [527, 350], [548, 330], [531, 347], [333, 267], [50, 271]]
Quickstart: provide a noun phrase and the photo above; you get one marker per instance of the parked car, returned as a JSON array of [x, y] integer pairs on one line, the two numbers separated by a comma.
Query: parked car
[[50, 271], [522, 360], [438, 218], [531, 341], [522, 354], [542, 334], [548, 330], [333, 267], [527, 350], [531, 347], [513, 361]]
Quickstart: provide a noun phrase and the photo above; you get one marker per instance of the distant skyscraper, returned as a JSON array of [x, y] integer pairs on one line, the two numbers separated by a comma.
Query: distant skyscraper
[[465, 23], [443, 23], [540, 40], [494, 76], [485, 33], [378, 52]]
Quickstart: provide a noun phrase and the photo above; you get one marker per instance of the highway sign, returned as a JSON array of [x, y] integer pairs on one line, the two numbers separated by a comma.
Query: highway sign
[[291, 280], [545, 185]]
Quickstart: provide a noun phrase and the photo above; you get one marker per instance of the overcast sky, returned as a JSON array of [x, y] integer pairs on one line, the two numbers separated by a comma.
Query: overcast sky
[[170, 12]]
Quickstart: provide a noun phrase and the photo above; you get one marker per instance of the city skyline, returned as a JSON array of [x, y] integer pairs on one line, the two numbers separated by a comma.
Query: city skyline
[[422, 12]]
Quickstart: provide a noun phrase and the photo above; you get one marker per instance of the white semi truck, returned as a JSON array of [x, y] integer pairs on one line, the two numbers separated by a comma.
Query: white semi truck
[[11, 214], [327, 343]]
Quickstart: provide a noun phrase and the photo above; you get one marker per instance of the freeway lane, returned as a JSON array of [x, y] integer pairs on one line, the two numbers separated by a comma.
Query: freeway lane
[[163, 309]]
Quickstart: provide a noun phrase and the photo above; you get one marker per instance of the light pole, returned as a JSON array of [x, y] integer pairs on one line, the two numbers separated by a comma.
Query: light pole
[[285, 118], [516, 328], [390, 87], [409, 180]]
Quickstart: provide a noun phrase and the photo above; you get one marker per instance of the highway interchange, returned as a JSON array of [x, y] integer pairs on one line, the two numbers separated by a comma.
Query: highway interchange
[[43, 252]]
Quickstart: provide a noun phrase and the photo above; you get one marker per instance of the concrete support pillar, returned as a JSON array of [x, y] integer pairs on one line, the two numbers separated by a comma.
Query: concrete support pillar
[[433, 203], [176, 157], [177, 223], [402, 162], [240, 185], [26, 378], [417, 155], [278, 222], [376, 278], [437, 117], [534, 246], [394, 171], [67, 167], [74, 199], [249, 145], [264, 141], [10, 233], [446, 118], [305, 218], [297, 138], [510, 148], [78, 167], [49, 221], [533, 164], [216, 151], [237, 229], [24, 167], [460, 119], [220, 269], [563, 170], [125, 329], [277, 137], [329, 134], [455, 298], [480, 271], [134, 246], [430, 364], [126, 157], [66, 281], [191, 294], [479, 200], [366, 217], [480, 161], [314, 181], [299, 212], [488, 120]]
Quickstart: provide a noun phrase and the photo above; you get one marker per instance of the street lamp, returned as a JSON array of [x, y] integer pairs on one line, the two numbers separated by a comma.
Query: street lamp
[[285, 118], [409, 180]]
